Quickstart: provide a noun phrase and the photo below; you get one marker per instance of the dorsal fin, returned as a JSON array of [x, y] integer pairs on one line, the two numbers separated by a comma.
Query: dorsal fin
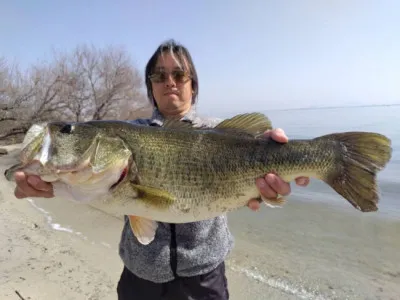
[[248, 124], [254, 124]]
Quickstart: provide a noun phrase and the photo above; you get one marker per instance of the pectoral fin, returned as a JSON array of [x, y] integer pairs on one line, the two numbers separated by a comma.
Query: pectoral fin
[[143, 229], [152, 196]]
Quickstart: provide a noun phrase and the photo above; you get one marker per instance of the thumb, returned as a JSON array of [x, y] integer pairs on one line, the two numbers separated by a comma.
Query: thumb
[[277, 135], [39, 184]]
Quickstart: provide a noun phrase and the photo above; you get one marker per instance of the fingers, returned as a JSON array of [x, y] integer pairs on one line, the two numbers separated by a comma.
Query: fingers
[[265, 188], [254, 204], [19, 194], [277, 135], [272, 185], [302, 181], [31, 186], [39, 184], [269, 188]]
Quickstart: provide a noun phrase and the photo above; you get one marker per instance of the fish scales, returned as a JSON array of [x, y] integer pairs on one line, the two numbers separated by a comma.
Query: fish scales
[[204, 167]]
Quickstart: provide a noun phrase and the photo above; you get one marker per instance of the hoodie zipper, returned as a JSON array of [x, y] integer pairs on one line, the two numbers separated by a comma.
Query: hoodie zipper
[[173, 259]]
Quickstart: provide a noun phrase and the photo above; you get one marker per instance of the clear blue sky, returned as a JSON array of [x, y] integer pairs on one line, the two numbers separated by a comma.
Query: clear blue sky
[[250, 55]]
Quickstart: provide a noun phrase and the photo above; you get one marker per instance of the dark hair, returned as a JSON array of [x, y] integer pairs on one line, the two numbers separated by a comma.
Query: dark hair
[[181, 53]]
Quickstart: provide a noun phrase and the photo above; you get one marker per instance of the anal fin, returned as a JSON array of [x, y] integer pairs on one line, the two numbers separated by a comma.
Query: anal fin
[[143, 229]]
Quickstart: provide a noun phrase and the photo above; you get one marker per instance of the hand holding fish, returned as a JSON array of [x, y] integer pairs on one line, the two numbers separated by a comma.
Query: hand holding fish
[[272, 185], [31, 186]]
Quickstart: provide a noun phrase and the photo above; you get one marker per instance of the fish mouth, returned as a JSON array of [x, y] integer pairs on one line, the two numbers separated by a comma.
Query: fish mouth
[[79, 171]]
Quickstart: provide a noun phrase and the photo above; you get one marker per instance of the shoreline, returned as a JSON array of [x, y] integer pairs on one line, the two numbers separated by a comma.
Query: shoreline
[[285, 263], [42, 263]]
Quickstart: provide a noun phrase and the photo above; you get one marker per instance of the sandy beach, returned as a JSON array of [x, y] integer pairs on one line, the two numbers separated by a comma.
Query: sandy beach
[[55, 249], [41, 263]]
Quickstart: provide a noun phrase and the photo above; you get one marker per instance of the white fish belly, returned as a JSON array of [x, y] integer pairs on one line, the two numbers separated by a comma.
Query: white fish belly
[[175, 213]]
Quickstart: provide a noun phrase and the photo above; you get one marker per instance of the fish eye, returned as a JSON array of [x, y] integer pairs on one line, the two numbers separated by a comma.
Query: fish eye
[[67, 129]]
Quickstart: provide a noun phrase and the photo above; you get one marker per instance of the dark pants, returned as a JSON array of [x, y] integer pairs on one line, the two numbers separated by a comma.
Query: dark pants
[[210, 286]]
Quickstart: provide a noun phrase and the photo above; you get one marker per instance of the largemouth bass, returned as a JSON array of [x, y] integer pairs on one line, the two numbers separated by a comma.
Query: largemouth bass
[[177, 173]]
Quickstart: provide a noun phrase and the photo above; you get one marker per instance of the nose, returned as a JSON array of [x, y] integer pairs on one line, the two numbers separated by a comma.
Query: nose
[[170, 82]]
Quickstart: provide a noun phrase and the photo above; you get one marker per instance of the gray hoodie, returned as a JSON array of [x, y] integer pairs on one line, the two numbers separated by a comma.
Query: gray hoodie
[[178, 249]]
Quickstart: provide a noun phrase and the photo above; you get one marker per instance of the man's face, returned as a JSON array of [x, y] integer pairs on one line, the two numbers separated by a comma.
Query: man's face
[[172, 85]]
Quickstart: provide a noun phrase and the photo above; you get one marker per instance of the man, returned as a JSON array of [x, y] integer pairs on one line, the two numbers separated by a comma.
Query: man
[[185, 261]]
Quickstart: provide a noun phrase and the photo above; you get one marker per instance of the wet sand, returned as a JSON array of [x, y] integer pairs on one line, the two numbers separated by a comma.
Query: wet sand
[[54, 249]]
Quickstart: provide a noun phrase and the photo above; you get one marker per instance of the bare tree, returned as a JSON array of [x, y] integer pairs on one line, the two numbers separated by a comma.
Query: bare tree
[[12, 99], [26, 98], [100, 83], [84, 84], [135, 110], [3, 82], [9, 76]]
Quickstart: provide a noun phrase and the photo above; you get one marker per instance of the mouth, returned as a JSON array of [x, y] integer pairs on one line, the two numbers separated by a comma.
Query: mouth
[[171, 93]]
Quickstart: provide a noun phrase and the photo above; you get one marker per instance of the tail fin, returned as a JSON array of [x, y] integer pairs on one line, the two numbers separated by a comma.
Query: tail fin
[[363, 155]]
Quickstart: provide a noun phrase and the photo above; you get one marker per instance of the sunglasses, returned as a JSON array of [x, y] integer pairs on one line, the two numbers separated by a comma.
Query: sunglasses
[[178, 76]]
